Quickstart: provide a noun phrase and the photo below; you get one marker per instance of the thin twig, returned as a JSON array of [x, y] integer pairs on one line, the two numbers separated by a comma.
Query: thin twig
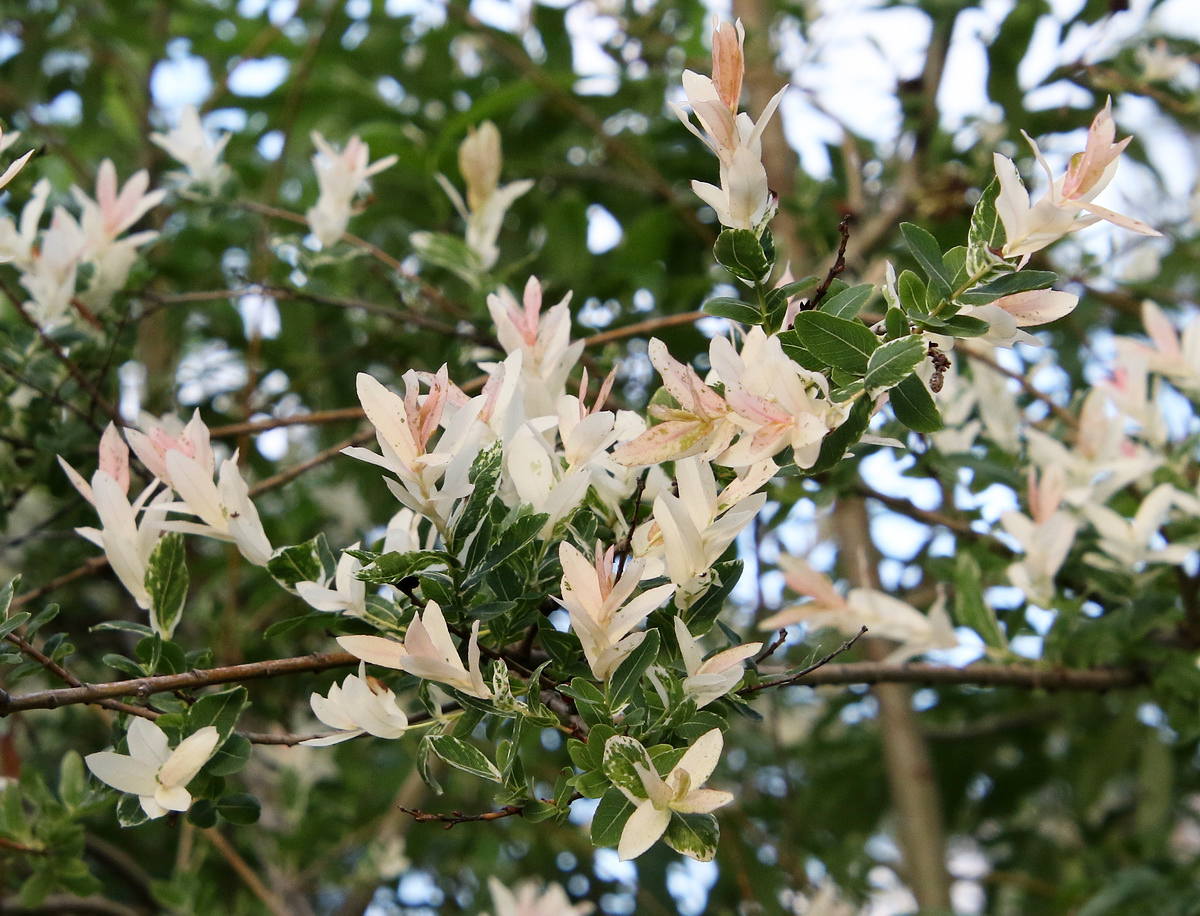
[[839, 264], [793, 678], [59, 354], [772, 648], [1027, 677], [1027, 386], [252, 881], [457, 817]]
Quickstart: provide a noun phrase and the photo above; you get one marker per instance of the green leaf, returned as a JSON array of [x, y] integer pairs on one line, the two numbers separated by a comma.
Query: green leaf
[[896, 323], [610, 817], [733, 309], [240, 808], [167, 582], [40, 619], [970, 609], [987, 232], [6, 595], [844, 438], [72, 783], [123, 664], [837, 342], [966, 326], [523, 530], [705, 610], [12, 623], [298, 563], [124, 626], [391, 568], [625, 680], [740, 252], [1007, 284], [219, 709], [914, 407], [130, 813], [797, 350], [788, 290], [914, 296], [231, 758], [589, 701], [846, 392], [622, 756], [465, 757], [450, 252], [929, 255], [484, 477], [694, 835], [893, 362], [203, 814], [423, 769], [849, 301]]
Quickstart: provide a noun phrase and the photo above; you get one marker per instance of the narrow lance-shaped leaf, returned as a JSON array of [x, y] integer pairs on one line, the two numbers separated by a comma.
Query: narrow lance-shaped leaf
[[987, 231], [893, 362], [465, 757], [929, 255], [848, 302], [610, 817], [839, 342], [970, 608], [167, 583], [629, 673], [914, 406]]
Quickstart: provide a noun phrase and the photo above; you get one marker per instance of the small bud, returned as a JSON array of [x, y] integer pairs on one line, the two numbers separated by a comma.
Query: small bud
[[479, 161], [728, 61]]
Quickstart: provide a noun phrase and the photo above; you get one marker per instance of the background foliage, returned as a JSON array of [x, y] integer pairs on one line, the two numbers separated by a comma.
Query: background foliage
[[1049, 803]]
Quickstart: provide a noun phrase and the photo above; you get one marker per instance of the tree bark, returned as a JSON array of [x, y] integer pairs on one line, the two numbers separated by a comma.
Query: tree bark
[[911, 784]]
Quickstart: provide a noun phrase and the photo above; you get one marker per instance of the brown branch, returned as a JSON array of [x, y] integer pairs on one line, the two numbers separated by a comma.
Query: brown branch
[[839, 264], [147, 686], [772, 647], [252, 881], [68, 905], [316, 418], [800, 675], [86, 568], [6, 843], [642, 327], [457, 817], [1027, 386], [66, 676], [1028, 677], [59, 354], [959, 526]]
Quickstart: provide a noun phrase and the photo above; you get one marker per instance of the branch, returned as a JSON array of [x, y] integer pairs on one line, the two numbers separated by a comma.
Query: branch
[[66, 676], [59, 354], [69, 905], [1027, 386], [457, 817], [839, 264], [982, 674], [243, 870], [794, 678], [818, 674], [146, 686], [960, 526]]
